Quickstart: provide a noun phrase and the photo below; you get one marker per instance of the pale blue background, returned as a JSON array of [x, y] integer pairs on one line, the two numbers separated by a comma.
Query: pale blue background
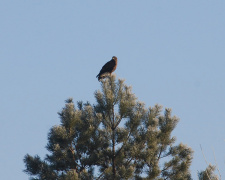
[[170, 52]]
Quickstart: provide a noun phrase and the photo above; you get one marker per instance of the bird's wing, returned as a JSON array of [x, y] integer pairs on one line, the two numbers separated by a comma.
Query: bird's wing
[[108, 67]]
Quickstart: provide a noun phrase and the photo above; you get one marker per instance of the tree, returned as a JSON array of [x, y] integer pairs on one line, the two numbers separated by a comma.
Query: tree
[[116, 138]]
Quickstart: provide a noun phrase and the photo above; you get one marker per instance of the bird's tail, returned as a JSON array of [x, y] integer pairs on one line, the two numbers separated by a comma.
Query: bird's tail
[[99, 77]]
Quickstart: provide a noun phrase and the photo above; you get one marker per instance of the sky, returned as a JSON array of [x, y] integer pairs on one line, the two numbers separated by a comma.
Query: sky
[[170, 52]]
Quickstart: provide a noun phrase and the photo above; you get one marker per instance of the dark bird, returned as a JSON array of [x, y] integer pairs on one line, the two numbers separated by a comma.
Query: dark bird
[[108, 68]]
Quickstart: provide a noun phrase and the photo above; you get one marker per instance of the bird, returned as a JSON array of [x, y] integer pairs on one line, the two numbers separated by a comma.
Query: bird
[[108, 68]]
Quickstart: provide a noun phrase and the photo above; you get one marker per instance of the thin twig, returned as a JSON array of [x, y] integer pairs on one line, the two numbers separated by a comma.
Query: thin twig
[[205, 162], [101, 174], [216, 163]]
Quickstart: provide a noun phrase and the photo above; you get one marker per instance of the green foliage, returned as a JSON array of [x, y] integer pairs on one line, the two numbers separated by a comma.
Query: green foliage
[[208, 174], [117, 136]]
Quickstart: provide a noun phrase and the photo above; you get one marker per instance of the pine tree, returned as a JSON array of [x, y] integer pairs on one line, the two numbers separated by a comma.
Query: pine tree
[[116, 138]]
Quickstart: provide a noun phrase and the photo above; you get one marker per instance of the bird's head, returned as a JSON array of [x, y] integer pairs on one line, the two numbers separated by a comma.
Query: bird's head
[[114, 57]]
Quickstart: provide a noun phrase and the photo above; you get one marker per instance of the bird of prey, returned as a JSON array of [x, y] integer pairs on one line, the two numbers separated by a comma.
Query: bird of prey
[[108, 68]]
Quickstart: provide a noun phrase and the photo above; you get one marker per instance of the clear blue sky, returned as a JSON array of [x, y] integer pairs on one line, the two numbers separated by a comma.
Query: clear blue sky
[[171, 53]]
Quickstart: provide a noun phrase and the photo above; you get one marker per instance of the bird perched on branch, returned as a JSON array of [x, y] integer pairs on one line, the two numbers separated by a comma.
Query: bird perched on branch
[[108, 68]]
